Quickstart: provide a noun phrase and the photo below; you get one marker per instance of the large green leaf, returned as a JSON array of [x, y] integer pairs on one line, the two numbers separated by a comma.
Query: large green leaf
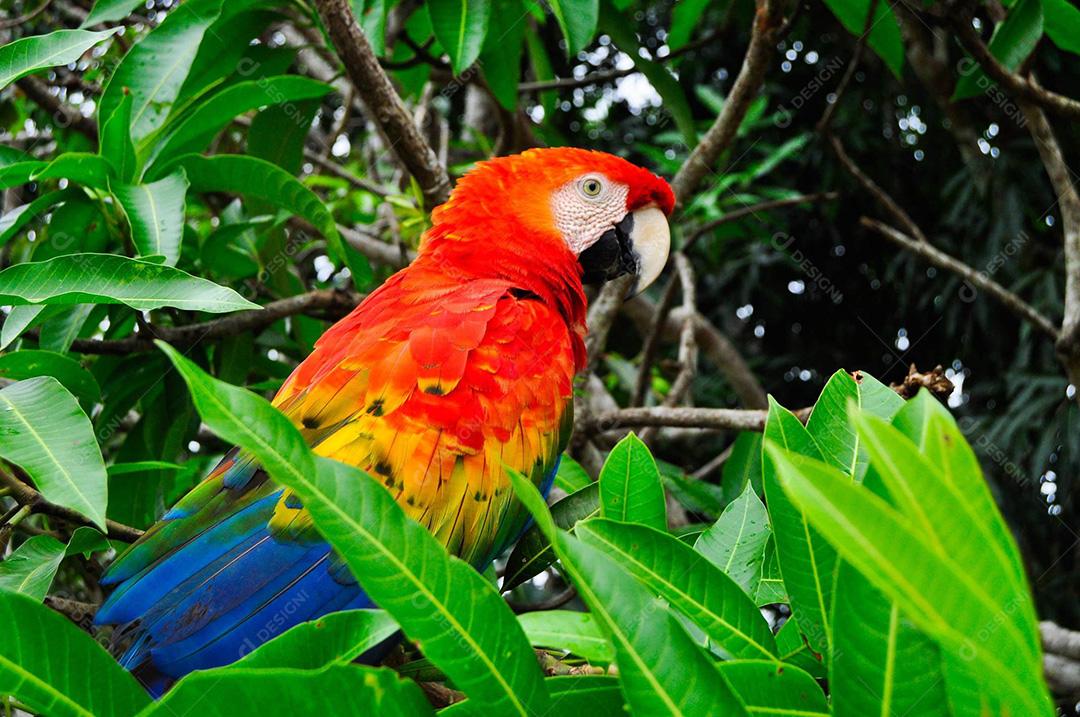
[[85, 168], [31, 568], [259, 179], [630, 487], [30, 363], [501, 54], [116, 144], [105, 11], [56, 669], [111, 279], [768, 688], [30, 54], [688, 582], [884, 40], [463, 624], [1061, 20], [594, 695], [155, 213], [206, 119], [533, 553], [940, 595], [576, 632], [45, 432], [807, 562], [735, 543], [742, 466], [460, 26], [154, 70], [577, 19], [661, 670], [1012, 42], [335, 690], [337, 638]]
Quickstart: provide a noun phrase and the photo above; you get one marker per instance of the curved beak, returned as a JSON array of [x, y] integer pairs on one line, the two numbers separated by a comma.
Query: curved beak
[[637, 245]]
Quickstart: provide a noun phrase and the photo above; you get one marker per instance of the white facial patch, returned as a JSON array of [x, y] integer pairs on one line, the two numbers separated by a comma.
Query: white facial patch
[[582, 219]]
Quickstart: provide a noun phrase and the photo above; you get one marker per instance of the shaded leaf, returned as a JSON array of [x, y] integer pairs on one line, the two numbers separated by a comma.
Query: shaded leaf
[[334, 639], [460, 26], [30, 363], [116, 144], [105, 11], [575, 632], [155, 213], [885, 39], [1061, 21], [533, 553], [742, 466], [735, 543], [1013, 40], [769, 688], [577, 19]]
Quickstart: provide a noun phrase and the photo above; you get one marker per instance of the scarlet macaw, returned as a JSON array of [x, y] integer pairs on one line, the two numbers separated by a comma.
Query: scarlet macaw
[[457, 366]]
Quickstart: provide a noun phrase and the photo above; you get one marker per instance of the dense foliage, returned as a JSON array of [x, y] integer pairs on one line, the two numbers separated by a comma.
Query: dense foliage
[[194, 191]]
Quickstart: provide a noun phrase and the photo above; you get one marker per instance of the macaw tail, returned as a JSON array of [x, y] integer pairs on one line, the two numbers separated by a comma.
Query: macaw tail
[[214, 580]]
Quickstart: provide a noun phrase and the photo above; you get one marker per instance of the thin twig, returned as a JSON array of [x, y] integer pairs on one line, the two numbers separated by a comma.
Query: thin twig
[[652, 342], [753, 210], [27, 496], [978, 280], [856, 58], [21, 19]]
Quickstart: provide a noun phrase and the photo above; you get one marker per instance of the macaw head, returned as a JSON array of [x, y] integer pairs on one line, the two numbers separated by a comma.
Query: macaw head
[[597, 211]]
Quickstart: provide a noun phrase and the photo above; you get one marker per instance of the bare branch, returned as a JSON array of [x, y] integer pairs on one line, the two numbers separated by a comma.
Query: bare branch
[[747, 85], [977, 279], [725, 419], [384, 106], [27, 496]]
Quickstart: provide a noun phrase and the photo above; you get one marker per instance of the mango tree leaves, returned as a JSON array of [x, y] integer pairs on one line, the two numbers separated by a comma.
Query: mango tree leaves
[[30, 363], [337, 638], [31, 568], [570, 476], [1061, 21], [595, 695], [154, 70], [86, 683], [742, 466], [533, 553], [155, 213], [338, 689], [116, 144], [884, 39], [111, 279], [1013, 40], [86, 168], [662, 671], [577, 19], [460, 26], [769, 688], [688, 582], [465, 627], [44, 432], [259, 179], [941, 596], [630, 487], [110, 10], [500, 58], [576, 632], [735, 543], [30, 54]]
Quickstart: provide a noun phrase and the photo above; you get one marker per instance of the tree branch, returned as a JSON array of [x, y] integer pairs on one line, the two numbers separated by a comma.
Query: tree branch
[[977, 279], [725, 419], [27, 496], [63, 114], [882, 197], [747, 85], [384, 106]]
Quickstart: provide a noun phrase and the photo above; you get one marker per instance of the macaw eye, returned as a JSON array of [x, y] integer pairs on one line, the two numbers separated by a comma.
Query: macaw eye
[[591, 187]]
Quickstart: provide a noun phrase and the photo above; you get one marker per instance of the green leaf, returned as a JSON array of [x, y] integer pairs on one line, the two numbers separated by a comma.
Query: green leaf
[[339, 689], [105, 11], [621, 31], [111, 279], [768, 688], [938, 594], [630, 487], [501, 55], [464, 625], [661, 670], [533, 553], [684, 20], [13, 222], [681, 576], [596, 695], [258, 179], [334, 639], [575, 632], [85, 682], [30, 569], [881, 663], [742, 466], [571, 476], [30, 363], [60, 331], [155, 213], [40, 52], [735, 543], [116, 144], [154, 70], [44, 432], [91, 170], [1061, 20], [884, 40], [460, 26], [208, 118], [794, 650], [829, 424], [19, 320], [1013, 40], [577, 19], [807, 562]]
